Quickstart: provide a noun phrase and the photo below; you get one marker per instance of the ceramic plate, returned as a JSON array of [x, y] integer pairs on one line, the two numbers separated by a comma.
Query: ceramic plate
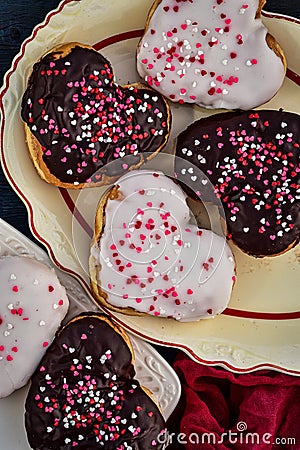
[[151, 369], [261, 326]]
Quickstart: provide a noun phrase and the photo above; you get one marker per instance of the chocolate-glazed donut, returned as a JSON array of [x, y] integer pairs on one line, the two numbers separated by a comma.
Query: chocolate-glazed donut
[[78, 119], [83, 393], [252, 159]]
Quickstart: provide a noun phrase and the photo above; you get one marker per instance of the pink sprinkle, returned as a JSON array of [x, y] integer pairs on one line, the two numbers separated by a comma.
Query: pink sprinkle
[[254, 61], [45, 344], [83, 336], [125, 166], [272, 237], [138, 300], [190, 291], [15, 289]]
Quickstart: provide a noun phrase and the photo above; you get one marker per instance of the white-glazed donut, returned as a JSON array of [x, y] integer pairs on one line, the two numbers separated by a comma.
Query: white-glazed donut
[[32, 305]]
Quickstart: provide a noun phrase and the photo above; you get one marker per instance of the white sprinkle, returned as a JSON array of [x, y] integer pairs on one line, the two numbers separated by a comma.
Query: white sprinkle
[[42, 323], [201, 159]]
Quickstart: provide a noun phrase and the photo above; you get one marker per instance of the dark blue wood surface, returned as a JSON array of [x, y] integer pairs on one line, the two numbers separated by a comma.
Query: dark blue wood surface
[[17, 19]]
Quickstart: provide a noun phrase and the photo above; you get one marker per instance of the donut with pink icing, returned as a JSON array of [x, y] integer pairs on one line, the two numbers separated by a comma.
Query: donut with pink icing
[[214, 53], [148, 257], [32, 305]]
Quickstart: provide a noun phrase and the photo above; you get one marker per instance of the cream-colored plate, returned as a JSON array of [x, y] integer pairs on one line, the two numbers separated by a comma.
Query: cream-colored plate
[[261, 327], [151, 369]]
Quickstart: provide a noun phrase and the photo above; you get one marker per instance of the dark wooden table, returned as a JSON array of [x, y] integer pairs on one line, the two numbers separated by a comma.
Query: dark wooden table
[[17, 19]]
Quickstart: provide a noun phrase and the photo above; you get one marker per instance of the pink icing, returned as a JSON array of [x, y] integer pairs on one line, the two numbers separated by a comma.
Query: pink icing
[[32, 305], [154, 259], [214, 54]]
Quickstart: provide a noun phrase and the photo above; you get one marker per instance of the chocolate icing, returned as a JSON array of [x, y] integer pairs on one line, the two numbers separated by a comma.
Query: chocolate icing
[[84, 120], [252, 159], [83, 393]]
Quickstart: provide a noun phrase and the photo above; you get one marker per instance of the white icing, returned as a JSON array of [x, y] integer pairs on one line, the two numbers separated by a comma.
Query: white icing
[[28, 320], [240, 73], [149, 242]]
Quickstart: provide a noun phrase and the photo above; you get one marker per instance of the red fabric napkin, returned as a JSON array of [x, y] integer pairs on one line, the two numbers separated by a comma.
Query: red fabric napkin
[[220, 410]]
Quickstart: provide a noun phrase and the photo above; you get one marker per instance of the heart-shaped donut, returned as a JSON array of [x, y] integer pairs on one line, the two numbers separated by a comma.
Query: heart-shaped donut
[[32, 305], [84, 395], [252, 159], [215, 53], [148, 257], [78, 119]]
